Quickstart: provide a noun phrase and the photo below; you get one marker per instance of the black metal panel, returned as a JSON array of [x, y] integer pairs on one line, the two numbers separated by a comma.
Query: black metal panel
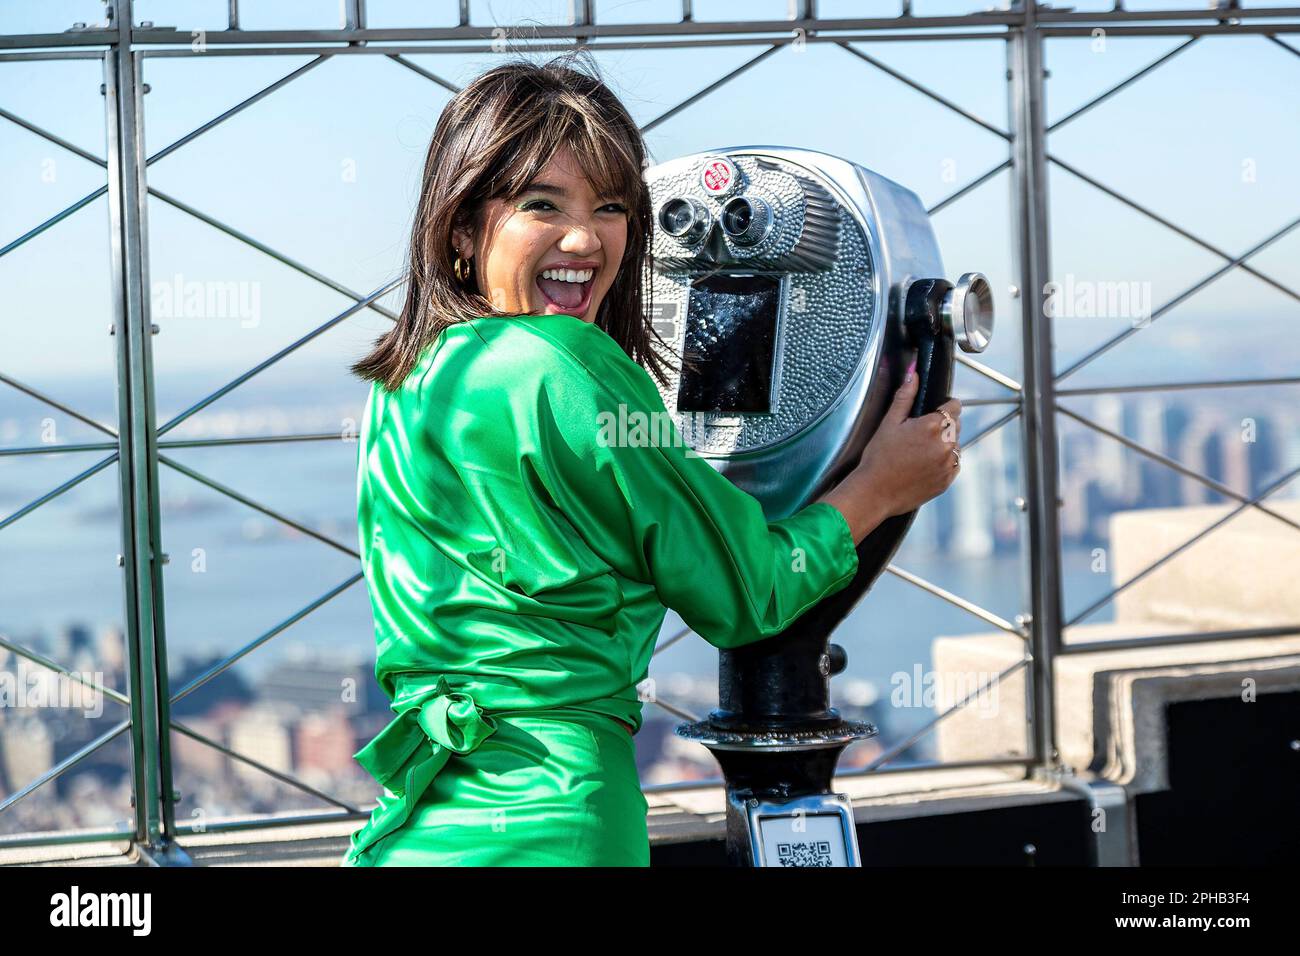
[[1234, 785], [1057, 831]]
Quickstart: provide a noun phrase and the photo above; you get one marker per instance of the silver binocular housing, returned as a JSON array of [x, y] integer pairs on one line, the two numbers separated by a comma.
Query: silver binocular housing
[[790, 285]]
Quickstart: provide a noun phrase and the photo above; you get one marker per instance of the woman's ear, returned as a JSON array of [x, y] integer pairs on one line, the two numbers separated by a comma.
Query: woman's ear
[[462, 243]]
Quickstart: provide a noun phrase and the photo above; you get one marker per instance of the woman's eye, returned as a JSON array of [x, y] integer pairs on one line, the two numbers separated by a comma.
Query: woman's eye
[[545, 206]]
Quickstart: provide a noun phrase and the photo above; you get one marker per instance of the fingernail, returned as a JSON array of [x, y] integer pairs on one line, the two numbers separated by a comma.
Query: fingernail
[[911, 369]]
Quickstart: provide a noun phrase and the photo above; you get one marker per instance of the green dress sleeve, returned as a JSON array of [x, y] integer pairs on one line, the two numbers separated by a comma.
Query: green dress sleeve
[[605, 450]]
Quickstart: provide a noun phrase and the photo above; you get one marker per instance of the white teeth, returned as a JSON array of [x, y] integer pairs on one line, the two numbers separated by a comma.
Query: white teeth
[[569, 275]]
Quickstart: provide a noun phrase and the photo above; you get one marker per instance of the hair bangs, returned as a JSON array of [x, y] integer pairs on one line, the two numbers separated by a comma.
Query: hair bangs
[[613, 171]]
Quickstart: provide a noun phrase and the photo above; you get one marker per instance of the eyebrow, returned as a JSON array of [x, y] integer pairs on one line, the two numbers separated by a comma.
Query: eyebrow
[[540, 187]]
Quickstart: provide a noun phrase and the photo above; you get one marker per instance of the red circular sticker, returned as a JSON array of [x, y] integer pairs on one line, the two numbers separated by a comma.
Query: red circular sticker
[[717, 175]]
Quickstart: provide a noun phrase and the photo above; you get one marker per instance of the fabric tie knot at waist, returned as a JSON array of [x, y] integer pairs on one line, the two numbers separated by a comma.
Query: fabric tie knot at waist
[[408, 753]]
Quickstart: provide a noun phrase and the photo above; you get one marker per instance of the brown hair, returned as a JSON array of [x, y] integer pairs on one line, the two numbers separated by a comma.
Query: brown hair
[[492, 139]]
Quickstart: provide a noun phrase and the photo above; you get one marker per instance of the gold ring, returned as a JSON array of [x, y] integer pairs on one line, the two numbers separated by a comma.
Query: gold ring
[[947, 419], [956, 456]]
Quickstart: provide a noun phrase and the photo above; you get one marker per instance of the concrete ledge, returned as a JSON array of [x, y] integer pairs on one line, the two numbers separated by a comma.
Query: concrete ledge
[[1110, 705], [90, 853], [1131, 746], [1241, 575], [688, 815]]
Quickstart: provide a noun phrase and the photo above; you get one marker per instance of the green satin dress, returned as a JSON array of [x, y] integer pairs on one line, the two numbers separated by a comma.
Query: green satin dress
[[521, 538]]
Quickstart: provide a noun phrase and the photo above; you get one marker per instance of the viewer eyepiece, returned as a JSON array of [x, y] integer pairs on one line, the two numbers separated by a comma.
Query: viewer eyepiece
[[746, 220], [684, 219]]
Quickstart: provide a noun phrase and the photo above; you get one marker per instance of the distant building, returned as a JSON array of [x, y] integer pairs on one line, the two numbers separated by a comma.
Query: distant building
[[323, 746], [26, 751], [315, 683], [262, 734]]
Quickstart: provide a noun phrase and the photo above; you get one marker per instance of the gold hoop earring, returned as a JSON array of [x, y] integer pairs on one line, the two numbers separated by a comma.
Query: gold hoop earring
[[462, 268]]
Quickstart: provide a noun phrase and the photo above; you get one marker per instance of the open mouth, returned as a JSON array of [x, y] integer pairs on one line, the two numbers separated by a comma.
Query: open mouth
[[567, 291]]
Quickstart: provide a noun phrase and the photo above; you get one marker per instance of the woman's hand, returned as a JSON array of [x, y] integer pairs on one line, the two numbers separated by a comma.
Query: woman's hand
[[910, 460], [907, 462]]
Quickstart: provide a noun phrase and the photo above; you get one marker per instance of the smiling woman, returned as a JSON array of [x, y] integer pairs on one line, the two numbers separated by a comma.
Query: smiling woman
[[519, 565]]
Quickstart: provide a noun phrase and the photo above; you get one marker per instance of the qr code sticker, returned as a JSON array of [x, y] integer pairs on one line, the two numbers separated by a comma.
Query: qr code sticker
[[804, 854]]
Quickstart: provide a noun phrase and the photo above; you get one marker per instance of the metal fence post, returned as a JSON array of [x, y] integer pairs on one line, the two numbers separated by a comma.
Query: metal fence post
[[137, 448], [1038, 430]]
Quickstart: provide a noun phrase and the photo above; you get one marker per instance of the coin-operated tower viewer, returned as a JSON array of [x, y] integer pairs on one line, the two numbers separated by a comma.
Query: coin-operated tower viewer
[[799, 285]]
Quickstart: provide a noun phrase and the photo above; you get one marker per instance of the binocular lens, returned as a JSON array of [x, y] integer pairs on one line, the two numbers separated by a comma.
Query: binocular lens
[[967, 312], [746, 220], [678, 217], [737, 217]]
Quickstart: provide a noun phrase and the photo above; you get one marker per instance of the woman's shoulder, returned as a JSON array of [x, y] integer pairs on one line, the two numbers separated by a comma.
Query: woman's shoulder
[[569, 337], [522, 349]]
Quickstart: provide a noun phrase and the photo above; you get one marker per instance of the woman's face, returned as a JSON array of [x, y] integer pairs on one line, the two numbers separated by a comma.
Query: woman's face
[[558, 230]]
